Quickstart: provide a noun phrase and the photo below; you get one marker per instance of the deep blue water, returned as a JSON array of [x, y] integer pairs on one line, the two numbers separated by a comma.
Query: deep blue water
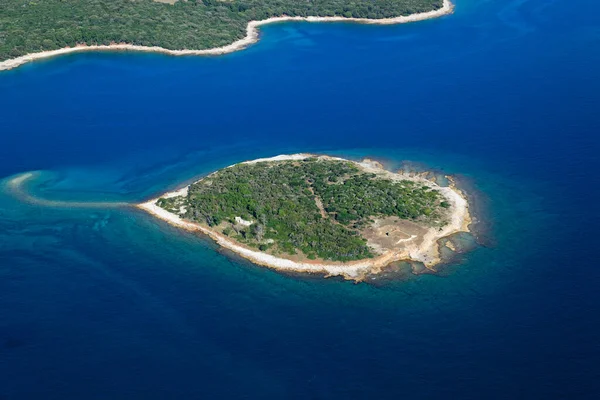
[[107, 303]]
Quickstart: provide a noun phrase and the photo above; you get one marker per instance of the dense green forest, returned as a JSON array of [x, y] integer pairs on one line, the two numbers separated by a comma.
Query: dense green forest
[[28, 26], [313, 206]]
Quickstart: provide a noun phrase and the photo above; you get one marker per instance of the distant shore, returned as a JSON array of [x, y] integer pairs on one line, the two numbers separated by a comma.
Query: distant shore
[[426, 252], [250, 38]]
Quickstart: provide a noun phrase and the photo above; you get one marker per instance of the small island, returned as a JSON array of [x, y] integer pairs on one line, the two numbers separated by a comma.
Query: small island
[[318, 214]]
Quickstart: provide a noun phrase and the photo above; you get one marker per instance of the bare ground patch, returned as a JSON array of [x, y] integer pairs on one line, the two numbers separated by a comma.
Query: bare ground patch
[[393, 233]]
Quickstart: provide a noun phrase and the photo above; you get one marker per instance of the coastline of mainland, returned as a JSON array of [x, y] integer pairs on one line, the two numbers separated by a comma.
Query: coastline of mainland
[[252, 36]]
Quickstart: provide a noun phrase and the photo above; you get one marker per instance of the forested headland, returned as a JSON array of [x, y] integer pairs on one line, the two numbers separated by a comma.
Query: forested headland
[[30, 26]]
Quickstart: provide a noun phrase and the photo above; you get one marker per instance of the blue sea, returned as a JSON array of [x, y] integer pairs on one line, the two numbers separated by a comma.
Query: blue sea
[[105, 302]]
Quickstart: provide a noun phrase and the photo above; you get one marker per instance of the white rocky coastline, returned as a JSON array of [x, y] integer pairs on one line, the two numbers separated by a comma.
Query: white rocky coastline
[[426, 252], [250, 38]]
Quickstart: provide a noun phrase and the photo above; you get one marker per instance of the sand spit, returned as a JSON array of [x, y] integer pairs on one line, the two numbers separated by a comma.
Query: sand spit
[[15, 186], [426, 250], [250, 38]]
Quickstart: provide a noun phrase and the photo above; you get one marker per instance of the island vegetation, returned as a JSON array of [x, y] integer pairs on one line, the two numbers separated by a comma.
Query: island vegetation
[[30, 26], [315, 208]]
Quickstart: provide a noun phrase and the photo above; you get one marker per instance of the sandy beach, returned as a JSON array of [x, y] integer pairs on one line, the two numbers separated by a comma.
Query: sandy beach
[[426, 251], [250, 38]]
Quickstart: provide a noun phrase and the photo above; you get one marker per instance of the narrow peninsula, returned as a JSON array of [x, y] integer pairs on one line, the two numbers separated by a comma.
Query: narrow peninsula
[[319, 214], [33, 30]]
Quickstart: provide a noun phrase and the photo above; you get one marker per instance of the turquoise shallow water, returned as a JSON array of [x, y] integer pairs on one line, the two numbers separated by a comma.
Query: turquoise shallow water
[[109, 303]]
